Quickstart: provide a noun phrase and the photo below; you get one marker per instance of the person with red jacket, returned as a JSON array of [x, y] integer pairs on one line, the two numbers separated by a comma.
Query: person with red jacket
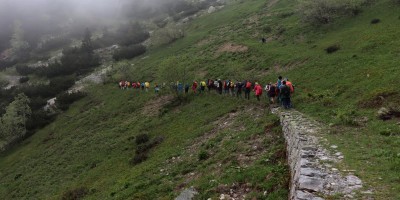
[[258, 90], [247, 87], [194, 86]]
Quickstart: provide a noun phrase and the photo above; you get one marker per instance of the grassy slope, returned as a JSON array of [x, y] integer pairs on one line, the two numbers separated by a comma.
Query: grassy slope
[[104, 121]]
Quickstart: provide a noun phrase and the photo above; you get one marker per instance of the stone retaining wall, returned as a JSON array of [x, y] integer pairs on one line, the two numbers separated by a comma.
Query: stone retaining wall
[[313, 175]]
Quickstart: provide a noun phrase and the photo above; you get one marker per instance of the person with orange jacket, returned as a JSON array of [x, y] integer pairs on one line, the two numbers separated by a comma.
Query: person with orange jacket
[[290, 85], [258, 90]]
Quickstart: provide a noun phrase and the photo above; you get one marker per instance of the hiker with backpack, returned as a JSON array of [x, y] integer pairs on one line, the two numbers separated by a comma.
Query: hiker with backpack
[[187, 88], [203, 85], [290, 85], [285, 95], [156, 89], [272, 93], [194, 86], [239, 87], [147, 85], [220, 85], [232, 88], [210, 84], [258, 91], [247, 89], [226, 87]]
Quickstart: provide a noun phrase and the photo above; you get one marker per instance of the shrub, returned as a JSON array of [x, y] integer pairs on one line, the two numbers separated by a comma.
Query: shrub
[[142, 138], [319, 12], [24, 70], [138, 158], [375, 21], [65, 99], [332, 49], [203, 155], [39, 119], [346, 116], [129, 52], [75, 194], [52, 44], [23, 79]]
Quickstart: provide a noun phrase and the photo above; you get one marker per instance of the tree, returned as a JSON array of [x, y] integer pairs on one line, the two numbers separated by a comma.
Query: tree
[[87, 44], [18, 44], [13, 122], [175, 69]]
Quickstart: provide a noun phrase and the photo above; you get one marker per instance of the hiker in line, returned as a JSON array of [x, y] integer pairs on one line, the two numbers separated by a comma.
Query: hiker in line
[[142, 86], [121, 85], [210, 84], [187, 88], [194, 86], [180, 88], [138, 85], [267, 88], [156, 89], [232, 88], [247, 89], [226, 87], [203, 85], [263, 40], [147, 85], [134, 85], [258, 91], [278, 87], [128, 85], [272, 93], [290, 85], [220, 85], [285, 95], [239, 87]]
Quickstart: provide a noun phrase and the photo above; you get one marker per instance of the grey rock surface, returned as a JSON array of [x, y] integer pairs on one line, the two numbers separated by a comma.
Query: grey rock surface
[[187, 194], [311, 175]]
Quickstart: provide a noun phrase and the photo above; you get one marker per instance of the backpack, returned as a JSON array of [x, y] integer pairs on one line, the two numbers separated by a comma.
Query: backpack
[[248, 85]]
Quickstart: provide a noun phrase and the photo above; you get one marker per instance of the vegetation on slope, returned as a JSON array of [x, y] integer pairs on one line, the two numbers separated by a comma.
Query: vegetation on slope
[[343, 89]]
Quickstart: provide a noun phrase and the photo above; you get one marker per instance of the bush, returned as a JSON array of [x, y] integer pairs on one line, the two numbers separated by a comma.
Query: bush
[[332, 49], [319, 12], [142, 138], [129, 52], [39, 119], [23, 79], [65, 99], [375, 21], [52, 44], [24, 70], [203, 155], [346, 116], [75, 194], [138, 158]]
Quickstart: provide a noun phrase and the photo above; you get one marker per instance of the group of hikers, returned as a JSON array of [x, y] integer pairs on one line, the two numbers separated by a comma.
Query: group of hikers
[[280, 92]]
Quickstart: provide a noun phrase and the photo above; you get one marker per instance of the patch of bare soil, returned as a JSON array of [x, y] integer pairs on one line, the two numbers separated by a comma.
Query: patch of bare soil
[[204, 42], [230, 47], [152, 108]]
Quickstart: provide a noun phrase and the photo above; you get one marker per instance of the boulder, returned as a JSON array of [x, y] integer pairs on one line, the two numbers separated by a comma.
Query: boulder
[[211, 9]]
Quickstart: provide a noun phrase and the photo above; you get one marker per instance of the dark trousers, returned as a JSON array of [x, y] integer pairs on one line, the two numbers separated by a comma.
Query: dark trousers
[[286, 102], [247, 94]]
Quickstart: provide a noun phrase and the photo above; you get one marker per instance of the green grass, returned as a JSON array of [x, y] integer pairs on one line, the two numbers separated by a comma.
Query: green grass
[[98, 130]]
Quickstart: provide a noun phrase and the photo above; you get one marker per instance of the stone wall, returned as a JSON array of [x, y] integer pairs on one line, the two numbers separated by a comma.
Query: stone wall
[[313, 176]]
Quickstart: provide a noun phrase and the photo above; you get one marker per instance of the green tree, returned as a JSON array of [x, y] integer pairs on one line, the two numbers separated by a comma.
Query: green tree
[[87, 44], [13, 122], [18, 44]]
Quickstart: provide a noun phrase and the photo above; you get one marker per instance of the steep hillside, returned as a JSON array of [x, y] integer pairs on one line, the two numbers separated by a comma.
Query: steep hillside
[[218, 144]]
